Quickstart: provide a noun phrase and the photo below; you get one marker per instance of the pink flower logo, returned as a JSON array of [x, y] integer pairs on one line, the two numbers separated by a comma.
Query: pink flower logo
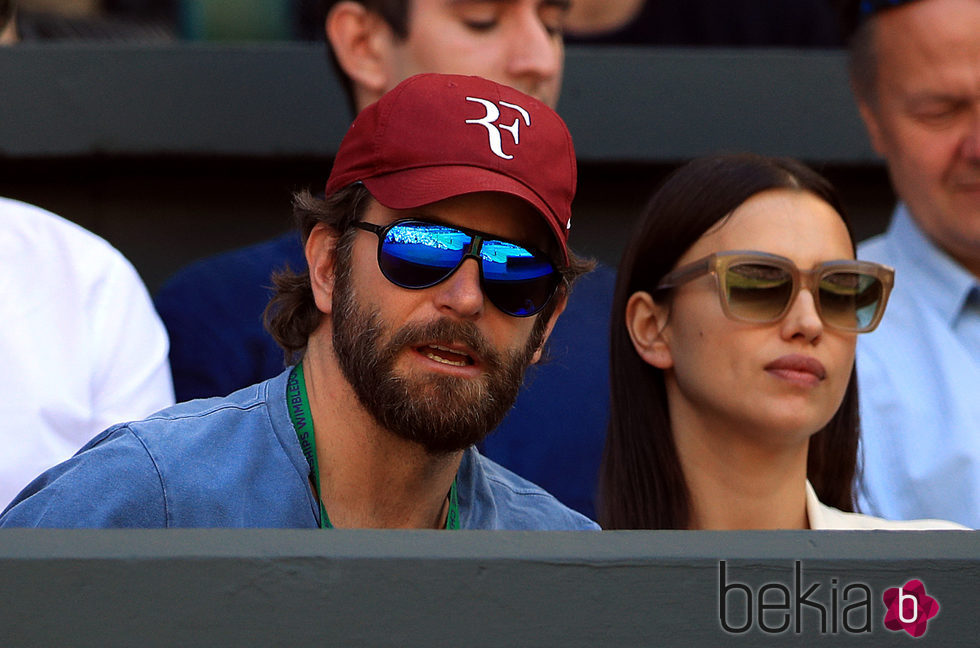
[[909, 608]]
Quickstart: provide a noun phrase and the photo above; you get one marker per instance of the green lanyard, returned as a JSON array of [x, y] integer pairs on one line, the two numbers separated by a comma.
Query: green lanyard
[[298, 404]]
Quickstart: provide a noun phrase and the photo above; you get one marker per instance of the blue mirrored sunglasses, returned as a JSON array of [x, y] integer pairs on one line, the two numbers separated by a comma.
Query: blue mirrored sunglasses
[[415, 254]]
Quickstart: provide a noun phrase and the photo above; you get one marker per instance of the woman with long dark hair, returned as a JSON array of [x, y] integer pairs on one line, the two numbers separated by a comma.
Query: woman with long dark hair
[[734, 397]]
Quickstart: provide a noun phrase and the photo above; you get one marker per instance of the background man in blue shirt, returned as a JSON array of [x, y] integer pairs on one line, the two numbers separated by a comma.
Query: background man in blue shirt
[[438, 263], [915, 69]]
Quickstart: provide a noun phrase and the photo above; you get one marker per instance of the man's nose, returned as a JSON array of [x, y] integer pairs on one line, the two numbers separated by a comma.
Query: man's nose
[[970, 146], [535, 53], [461, 294]]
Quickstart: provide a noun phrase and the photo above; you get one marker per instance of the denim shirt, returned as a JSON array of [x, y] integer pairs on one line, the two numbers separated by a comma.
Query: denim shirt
[[919, 381], [236, 462], [553, 435]]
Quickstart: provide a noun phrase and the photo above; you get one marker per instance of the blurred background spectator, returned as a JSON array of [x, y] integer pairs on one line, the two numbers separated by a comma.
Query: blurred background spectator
[[718, 23], [166, 20], [681, 23], [118, 20]]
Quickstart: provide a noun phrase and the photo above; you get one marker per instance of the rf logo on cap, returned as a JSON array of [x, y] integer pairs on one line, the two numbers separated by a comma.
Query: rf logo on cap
[[493, 130]]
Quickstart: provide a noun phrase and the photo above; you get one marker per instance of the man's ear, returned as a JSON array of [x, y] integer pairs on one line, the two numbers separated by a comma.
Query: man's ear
[[871, 124], [362, 42], [321, 255], [646, 321], [563, 301]]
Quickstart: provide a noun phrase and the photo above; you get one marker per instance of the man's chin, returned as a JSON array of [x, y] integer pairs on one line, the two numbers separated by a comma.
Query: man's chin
[[440, 442], [443, 411], [443, 414]]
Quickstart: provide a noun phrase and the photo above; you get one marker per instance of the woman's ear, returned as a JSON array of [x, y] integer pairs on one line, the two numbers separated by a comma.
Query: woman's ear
[[321, 255], [362, 42], [646, 321]]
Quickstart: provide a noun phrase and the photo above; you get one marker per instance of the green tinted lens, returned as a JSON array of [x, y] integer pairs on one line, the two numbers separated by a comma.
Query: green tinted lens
[[850, 300], [757, 292]]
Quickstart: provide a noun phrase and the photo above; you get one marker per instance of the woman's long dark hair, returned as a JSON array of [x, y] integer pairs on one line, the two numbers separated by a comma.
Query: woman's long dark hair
[[641, 482]]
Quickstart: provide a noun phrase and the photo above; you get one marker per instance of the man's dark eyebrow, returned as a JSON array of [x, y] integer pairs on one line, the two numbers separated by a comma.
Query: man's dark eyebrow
[[920, 99], [478, 2], [564, 5]]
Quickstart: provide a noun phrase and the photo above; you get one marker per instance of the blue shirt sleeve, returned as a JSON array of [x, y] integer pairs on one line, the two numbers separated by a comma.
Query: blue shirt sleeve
[[111, 482]]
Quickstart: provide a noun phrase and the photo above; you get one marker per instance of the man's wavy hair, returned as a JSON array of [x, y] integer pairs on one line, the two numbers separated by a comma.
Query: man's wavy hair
[[292, 315]]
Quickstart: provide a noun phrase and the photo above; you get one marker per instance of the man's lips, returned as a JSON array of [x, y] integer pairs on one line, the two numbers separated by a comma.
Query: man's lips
[[798, 368], [969, 191], [966, 183], [448, 354]]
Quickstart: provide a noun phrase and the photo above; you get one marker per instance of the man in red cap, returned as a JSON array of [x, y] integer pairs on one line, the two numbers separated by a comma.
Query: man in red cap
[[212, 308], [438, 264]]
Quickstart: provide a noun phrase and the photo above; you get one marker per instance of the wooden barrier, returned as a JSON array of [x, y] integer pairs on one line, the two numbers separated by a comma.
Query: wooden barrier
[[423, 588]]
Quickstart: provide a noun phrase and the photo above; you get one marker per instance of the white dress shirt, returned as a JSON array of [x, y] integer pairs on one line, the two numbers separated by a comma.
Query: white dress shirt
[[81, 346]]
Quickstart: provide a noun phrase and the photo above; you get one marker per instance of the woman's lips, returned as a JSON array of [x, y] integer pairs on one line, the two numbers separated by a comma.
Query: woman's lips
[[798, 368]]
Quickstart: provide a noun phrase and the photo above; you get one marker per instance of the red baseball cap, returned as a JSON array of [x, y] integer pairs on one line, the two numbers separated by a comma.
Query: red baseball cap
[[435, 136]]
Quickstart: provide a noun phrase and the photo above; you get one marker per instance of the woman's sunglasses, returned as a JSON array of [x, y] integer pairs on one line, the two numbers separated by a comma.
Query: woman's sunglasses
[[412, 253], [760, 287]]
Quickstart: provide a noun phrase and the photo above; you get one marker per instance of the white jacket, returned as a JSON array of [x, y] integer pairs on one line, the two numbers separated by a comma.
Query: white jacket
[[823, 517]]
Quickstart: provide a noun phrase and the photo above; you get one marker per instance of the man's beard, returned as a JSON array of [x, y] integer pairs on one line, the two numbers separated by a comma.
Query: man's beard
[[441, 413]]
